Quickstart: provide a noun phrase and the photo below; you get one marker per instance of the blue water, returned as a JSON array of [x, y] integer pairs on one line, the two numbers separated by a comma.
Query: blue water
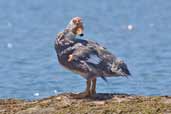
[[28, 63]]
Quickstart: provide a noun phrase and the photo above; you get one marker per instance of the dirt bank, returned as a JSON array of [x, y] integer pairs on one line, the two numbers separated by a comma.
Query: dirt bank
[[99, 104]]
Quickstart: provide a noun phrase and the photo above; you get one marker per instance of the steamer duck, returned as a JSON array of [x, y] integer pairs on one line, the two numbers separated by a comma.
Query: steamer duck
[[87, 58]]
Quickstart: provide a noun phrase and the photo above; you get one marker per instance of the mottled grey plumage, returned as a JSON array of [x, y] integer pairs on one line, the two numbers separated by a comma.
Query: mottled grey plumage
[[87, 58], [82, 51]]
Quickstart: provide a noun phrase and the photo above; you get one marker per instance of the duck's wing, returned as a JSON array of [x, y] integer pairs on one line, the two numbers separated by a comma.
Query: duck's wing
[[99, 59]]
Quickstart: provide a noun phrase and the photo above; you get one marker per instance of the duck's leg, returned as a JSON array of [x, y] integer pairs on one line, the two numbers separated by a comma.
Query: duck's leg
[[88, 85], [86, 93], [93, 88]]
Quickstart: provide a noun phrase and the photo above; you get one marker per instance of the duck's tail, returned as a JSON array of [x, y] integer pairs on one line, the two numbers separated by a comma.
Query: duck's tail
[[120, 68]]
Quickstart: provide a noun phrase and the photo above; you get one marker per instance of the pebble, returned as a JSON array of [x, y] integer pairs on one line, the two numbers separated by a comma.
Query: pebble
[[59, 98], [99, 102]]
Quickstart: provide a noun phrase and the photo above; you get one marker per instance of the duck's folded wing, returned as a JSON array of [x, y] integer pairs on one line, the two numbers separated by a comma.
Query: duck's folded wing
[[94, 54], [101, 59]]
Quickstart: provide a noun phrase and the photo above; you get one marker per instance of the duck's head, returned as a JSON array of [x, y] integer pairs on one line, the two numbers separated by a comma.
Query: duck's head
[[76, 26]]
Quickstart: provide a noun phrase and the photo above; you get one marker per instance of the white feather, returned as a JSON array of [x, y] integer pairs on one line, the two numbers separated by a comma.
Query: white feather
[[94, 59]]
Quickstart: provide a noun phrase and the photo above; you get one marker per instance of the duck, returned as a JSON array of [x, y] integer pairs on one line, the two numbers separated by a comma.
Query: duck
[[87, 58]]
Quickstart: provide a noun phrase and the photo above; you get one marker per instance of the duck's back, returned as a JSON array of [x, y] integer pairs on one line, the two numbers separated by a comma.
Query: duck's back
[[99, 59], [89, 58]]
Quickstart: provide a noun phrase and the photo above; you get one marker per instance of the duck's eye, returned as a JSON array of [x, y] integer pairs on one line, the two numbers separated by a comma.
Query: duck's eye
[[74, 21]]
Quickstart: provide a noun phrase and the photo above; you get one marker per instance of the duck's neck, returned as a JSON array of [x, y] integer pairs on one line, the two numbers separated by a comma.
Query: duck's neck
[[69, 35]]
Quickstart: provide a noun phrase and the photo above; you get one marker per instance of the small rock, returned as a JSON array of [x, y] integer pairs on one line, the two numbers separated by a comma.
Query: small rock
[[99, 102], [167, 101], [59, 98]]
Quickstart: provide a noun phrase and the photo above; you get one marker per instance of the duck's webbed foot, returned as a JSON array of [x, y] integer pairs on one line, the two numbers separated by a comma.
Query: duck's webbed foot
[[86, 93], [90, 90], [81, 95]]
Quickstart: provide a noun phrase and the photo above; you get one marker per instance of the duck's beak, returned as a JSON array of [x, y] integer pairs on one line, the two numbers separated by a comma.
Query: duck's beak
[[80, 31]]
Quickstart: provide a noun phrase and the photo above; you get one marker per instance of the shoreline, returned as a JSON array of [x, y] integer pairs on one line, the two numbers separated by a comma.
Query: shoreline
[[101, 103]]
